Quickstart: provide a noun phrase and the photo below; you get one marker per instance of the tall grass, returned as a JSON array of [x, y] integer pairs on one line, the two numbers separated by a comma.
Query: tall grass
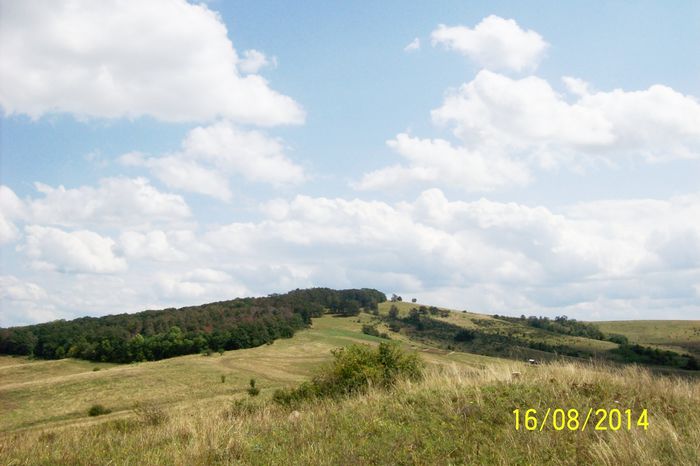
[[452, 416]]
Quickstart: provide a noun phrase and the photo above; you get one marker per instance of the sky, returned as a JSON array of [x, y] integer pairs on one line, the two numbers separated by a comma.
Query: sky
[[499, 157]]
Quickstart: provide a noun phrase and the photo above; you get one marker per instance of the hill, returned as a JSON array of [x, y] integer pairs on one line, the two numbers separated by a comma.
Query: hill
[[673, 335], [154, 335], [521, 338], [180, 410]]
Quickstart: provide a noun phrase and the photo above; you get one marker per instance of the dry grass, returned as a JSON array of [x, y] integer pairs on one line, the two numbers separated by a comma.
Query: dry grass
[[456, 415]]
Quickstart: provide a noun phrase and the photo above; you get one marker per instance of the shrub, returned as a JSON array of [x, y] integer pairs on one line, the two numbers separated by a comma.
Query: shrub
[[370, 330], [150, 414], [98, 410], [619, 339], [393, 312], [223, 379], [253, 390], [354, 369], [240, 408]]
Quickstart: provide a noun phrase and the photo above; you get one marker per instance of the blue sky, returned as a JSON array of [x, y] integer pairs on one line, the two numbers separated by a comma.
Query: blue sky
[[530, 158]]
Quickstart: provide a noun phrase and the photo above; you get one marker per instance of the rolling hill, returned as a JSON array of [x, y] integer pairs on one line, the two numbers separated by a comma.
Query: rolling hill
[[195, 409]]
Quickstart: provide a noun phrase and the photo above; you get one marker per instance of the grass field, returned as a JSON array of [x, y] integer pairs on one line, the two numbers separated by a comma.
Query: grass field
[[46, 393], [675, 335], [461, 413]]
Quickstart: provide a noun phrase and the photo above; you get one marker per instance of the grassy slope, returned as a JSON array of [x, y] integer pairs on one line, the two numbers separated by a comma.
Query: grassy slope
[[676, 335], [488, 324], [455, 416], [42, 393], [461, 413]]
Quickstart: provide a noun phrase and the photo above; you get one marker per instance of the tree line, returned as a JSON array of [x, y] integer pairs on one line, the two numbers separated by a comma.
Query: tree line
[[159, 334]]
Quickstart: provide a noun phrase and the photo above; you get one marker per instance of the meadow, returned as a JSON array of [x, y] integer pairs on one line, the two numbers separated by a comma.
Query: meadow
[[674, 335], [195, 409]]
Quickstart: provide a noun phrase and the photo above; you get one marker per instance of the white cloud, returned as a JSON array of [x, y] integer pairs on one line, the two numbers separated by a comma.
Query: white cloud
[[11, 209], [510, 127], [168, 59], [180, 173], [211, 154], [203, 284], [494, 43], [11, 288], [413, 45], [79, 251], [437, 161], [114, 202], [24, 302], [253, 60], [527, 115], [495, 257], [155, 245]]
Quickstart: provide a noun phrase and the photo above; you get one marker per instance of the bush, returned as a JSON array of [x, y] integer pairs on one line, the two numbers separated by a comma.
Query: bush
[[354, 370], [241, 408], [98, 410], [253, 390], [370, 330], [619, 339], [150, 414], [393, 312]]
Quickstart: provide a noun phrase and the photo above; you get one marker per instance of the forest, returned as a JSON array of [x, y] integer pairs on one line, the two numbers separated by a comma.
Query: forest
[[159, 334]]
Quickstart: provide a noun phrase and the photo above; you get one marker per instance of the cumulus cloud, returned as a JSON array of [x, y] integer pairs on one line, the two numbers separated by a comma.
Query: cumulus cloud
[[24, 302], [203, 283], [413, 45], [508, 128], [156, 245], [528, 114], [437, 161], [495, 43], [211, 154], [79, 251], [253, 60], [115, 201], [181, 173], [11, 209], [168, 59], [495, 257]]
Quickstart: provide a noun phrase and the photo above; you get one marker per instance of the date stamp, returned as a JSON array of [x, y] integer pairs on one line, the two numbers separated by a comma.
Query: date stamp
[[571, 419]]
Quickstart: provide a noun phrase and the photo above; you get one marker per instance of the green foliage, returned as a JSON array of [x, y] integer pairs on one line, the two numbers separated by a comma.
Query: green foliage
[[349, 308], [617, 338], [354, 369], [368, 329], [154, 335], [393, 312], [647, 355], [253, 390], [98, 410], [560, 324]]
